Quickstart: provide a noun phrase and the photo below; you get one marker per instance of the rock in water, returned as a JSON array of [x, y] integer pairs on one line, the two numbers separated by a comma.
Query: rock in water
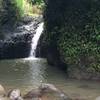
[[2, 91], [48, 88], [43, 91], [64, 97], [3, 98], [98, 98], [34, 94], [15, 95], [38, 93]]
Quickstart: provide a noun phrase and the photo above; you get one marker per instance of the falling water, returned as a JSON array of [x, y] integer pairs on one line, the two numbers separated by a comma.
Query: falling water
[[35, 40]]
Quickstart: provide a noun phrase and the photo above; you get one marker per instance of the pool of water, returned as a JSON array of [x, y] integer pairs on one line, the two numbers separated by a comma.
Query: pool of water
[[29, 73]]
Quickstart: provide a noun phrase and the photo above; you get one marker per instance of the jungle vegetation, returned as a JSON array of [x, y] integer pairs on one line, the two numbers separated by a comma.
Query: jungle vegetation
[[73, 29]]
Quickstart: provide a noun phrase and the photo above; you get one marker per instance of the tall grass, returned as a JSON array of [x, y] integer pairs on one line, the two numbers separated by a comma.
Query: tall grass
[[31, 9], [20, 5], [27, 8]]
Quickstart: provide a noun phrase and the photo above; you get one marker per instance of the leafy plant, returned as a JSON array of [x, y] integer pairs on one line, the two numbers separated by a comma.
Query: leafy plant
[[77, 36]]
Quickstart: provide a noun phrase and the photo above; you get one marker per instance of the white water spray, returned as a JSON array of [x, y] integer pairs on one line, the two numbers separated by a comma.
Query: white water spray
[[35, 40]]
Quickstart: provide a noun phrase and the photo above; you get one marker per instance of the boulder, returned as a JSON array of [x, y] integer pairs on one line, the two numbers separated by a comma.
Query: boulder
[[17, 42], [3, 98], [33, 94], [98, 98], [43, 91], [2, 91], [15, 95], [50, 88]]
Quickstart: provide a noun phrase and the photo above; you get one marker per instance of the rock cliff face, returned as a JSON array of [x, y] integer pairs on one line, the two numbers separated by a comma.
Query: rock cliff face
[[9, 15], [72, 36], [17, 43], [17, 47], [8, 12]]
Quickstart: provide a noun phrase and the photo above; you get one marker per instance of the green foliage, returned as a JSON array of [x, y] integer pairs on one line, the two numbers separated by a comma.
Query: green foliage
[[20, 5], [10, 12], [38, 5], [74, 27], [36, 2]]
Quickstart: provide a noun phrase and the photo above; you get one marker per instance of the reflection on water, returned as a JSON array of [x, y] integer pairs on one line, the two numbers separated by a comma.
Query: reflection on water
[[29, 73], [36, 72], [22, 72]]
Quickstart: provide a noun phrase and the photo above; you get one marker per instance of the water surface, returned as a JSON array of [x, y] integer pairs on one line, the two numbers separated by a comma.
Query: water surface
[[29, 73]]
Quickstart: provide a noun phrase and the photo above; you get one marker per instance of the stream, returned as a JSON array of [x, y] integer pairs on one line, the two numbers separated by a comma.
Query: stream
[[29, 73]]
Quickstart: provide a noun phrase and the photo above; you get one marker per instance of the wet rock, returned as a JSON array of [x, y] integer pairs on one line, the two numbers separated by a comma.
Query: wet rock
[[98, 98], [17, 43], [76, 96], [34, 93], [3, 98], [15, 95], [27, 19], [48, 88], [42, 92], [2, 91]]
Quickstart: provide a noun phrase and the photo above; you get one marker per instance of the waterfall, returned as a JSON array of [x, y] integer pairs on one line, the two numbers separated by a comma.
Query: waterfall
[[35, 40]]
